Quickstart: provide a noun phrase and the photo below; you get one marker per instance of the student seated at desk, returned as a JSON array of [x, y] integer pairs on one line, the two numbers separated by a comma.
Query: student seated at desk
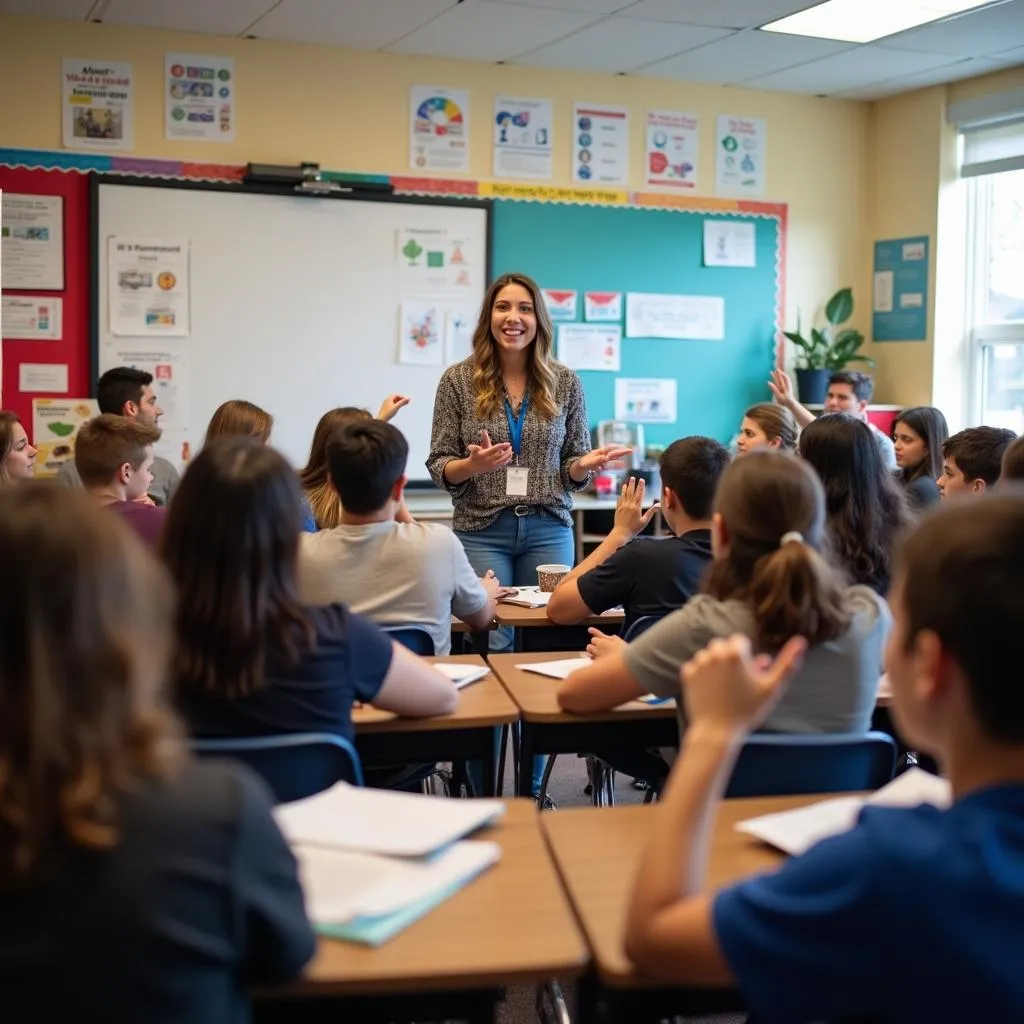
[[114, 459], [251, 659], [913, 915], [972, 460], [135, 883], [394, 573], [768, 581], [650, 575]]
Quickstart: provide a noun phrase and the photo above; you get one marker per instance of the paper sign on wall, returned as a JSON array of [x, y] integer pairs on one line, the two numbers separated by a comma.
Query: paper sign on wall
[[600, 144], [740, 147], [730, 243], [31, 318], [522, 138], [432, 260], [32, 242], [603, 307], [49, 378], [55, 425], [199, 97], [670, 159], [439, 129], [900, 310], [690, 317], [97, 99], [640, 400], [148, 287], [419, 334], [561, 303], [590, 346], [458, 335]]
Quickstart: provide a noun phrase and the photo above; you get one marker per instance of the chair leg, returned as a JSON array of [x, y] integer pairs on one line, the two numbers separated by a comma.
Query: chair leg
[[551, 1005], [542, 795]]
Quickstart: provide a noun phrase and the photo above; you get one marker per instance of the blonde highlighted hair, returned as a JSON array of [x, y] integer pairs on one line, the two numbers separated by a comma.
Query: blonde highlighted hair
[[316, 478], [239, 418], [487, 380]]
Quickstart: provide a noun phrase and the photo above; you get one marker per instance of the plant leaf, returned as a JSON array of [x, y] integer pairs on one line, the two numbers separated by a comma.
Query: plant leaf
[[844, 337], [867, 360], [798, 340], [840, 307]]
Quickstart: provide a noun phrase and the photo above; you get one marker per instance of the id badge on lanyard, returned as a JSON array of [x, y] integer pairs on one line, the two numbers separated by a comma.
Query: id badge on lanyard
[[517, 478]]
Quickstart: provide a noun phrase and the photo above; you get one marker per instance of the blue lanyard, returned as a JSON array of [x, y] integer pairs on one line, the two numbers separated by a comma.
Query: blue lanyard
[[515, 425]]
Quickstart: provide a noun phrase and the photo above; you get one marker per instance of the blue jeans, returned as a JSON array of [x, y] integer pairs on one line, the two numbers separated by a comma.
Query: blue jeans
[[513, 546]]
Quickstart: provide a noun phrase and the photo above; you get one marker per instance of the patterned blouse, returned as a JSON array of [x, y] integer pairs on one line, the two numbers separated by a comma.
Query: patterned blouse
[[549, 448]]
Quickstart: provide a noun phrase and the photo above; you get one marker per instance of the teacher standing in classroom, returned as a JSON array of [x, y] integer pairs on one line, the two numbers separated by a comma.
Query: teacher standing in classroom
[[510, 440]]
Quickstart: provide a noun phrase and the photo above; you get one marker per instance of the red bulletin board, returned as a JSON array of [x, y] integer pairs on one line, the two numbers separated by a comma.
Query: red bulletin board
[[73, 347]]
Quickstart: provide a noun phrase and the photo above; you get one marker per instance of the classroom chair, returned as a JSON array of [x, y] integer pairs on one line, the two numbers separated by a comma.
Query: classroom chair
[[417, 639], [294, 765], [641, 626], [772, 764]]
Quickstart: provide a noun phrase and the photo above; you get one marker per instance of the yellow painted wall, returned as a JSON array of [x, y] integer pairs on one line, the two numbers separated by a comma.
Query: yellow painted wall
[[349, 112]]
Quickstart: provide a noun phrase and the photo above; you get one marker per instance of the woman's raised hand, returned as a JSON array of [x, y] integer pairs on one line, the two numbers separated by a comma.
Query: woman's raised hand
[[597, 459], [486, 456]]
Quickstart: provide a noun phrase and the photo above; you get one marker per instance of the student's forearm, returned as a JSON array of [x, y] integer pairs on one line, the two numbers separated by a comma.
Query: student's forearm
[[674, 859], [457, 471], [801, 413]]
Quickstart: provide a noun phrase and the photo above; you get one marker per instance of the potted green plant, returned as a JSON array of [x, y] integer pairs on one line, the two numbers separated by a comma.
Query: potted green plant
[[827, 350]]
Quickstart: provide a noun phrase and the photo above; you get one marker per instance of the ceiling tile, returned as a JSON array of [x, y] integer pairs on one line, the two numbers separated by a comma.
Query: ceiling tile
[[484, 30], [971, 35], [225, 18], [862, 65], [72, 10], [718, 13], [907, 83], [601, 7], [365, 26], [743, 56], [620, 44]]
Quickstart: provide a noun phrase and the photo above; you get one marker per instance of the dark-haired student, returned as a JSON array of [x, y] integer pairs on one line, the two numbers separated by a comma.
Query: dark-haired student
[[251, 659], [126, 391], [826, 936], [972, 460], [650, 575], [135, 883], [768, 581], [919, 434], [1013, 462], [395, 573], [114, 459]]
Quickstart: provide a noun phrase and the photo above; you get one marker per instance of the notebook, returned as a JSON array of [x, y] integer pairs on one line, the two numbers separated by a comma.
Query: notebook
[[463, 675], [556, 669], [382, 821], [797, 831], [528, 597]]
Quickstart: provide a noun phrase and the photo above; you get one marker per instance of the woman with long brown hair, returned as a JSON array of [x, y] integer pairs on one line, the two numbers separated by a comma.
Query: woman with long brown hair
[[17, 456], [152, 886]]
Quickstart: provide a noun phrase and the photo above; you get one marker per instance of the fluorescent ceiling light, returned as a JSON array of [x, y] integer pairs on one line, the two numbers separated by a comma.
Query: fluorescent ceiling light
[[862, 21]]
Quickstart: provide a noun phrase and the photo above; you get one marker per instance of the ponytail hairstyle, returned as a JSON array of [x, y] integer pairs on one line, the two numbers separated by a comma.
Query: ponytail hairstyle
[[777, 422], [772, 510]]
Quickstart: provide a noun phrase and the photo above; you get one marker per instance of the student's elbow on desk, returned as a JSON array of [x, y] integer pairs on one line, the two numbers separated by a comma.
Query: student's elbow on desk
[[414, 688], [483, 618], [565, 606]]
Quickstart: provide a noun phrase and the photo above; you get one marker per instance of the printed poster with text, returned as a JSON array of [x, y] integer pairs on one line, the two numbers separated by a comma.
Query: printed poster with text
[[55, 424], [147, 287], [199, 97], [439, 129], [97, 100], [32, 242], [432, 260], [522, 138], [600, 144], [740, 145], [670, 159]]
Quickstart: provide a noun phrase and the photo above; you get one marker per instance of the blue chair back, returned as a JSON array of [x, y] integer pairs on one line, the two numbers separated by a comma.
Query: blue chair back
[[294, 765], [641, 625], [771, 764], [416, 638]]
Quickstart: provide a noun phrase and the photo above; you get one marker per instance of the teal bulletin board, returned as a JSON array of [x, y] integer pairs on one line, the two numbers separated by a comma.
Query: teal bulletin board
[[633, 249]]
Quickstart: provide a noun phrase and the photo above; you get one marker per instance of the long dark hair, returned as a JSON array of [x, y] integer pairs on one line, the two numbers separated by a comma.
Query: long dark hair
[[231, 543], [930, 425], [792, 588], [866, 507], [316, 477], [86, 637]]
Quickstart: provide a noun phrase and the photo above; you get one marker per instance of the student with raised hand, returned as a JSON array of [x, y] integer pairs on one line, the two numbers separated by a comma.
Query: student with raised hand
[[825, 936], [394, 573], [17, 456], [1013, 463], [126, 391], [135, 883], [650, 575], [866, 506], [767, 425], [114, 459], [919, 434], [768, 581], [972, 460]]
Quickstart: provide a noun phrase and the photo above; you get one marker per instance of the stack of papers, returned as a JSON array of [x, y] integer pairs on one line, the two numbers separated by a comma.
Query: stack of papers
[[463, 675], [555, 669], [374, 861], [795, 832], [528, 597]]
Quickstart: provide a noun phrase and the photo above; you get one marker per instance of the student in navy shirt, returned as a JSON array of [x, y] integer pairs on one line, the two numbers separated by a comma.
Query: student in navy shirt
[[914, 915], [251, 659], [135, 883], [650, 575]]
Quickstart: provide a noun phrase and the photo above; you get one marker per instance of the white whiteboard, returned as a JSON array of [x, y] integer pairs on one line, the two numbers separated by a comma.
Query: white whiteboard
[[294, 305]]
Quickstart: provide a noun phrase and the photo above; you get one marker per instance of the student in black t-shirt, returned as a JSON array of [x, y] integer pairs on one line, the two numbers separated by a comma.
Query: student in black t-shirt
[[251, 659], [650, 575], [135, 883]]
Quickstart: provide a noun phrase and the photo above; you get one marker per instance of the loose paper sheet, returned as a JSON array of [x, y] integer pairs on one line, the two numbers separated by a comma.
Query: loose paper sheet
[[55, 425], [199, 97], [645, 400], [439, 129], [670, 160], [740, 168], [602, 307], [590, 346], [31, 318], [32, 242], [700, 317], [419, 334], [148, 287], [561, 303], [600, 144], [97, 99], [522, 138], [48, 378], [730, 243], [435, 262]]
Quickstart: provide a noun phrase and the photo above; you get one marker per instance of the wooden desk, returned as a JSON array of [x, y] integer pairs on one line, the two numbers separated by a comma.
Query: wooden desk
[[547, 729], [597, 851], [537, 618], [513, 925], [467, 733]]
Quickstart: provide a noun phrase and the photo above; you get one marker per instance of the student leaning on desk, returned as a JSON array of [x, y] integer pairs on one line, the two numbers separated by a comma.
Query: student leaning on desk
[[915, 914]]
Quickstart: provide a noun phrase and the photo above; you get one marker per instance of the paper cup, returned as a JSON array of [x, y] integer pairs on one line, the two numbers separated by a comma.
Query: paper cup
[[549, 576]]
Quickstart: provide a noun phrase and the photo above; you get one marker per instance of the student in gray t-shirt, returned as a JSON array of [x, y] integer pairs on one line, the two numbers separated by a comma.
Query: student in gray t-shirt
[[769, 582]]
